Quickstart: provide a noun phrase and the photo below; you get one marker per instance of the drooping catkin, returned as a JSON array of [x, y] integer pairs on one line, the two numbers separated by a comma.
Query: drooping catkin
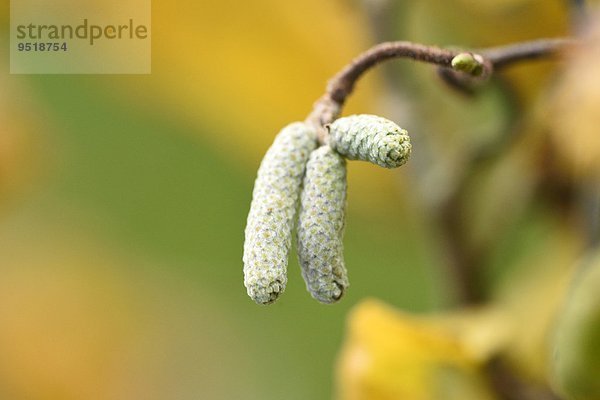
[[370, 138], [272, 211], [321, 225]]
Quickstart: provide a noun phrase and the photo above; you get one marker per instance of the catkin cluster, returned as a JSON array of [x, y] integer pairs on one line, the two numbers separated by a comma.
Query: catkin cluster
[[291, 169]]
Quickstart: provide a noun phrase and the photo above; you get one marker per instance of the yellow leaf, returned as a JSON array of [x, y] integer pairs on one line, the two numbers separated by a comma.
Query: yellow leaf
[[392, 355]]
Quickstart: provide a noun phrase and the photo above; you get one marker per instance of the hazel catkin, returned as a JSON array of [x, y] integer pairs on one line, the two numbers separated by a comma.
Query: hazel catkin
[[370, 138], [272, 211], [321, 225]]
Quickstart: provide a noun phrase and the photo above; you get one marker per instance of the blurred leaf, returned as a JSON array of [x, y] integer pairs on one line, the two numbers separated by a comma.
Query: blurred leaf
[[532, 291], [576, 348], [391, 355], [573, 118]]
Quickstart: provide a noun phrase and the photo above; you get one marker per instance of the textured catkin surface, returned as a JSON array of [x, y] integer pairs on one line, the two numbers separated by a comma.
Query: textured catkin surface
[[370, 138], [271, 218], [321, 225]]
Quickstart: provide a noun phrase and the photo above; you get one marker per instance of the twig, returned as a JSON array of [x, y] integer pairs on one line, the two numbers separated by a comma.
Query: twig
[[328, 107], [502, 56]]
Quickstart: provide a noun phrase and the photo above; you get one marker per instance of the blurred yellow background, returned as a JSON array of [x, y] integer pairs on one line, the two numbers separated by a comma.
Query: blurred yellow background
[[123, 198]]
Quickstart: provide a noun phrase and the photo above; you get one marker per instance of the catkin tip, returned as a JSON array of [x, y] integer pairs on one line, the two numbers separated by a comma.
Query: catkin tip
[[266, 294], [330, 294]]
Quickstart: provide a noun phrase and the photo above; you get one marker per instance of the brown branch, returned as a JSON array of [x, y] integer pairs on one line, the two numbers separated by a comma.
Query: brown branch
[[342, 84], [328, 107], [503, 56]]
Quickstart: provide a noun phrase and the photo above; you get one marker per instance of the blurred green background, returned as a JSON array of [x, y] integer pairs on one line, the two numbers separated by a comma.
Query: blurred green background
[[123, 199]]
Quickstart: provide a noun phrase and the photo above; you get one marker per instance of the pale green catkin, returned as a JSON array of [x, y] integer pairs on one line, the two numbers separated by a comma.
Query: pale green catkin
[[321, 225], [370, 138], [272, 211]]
